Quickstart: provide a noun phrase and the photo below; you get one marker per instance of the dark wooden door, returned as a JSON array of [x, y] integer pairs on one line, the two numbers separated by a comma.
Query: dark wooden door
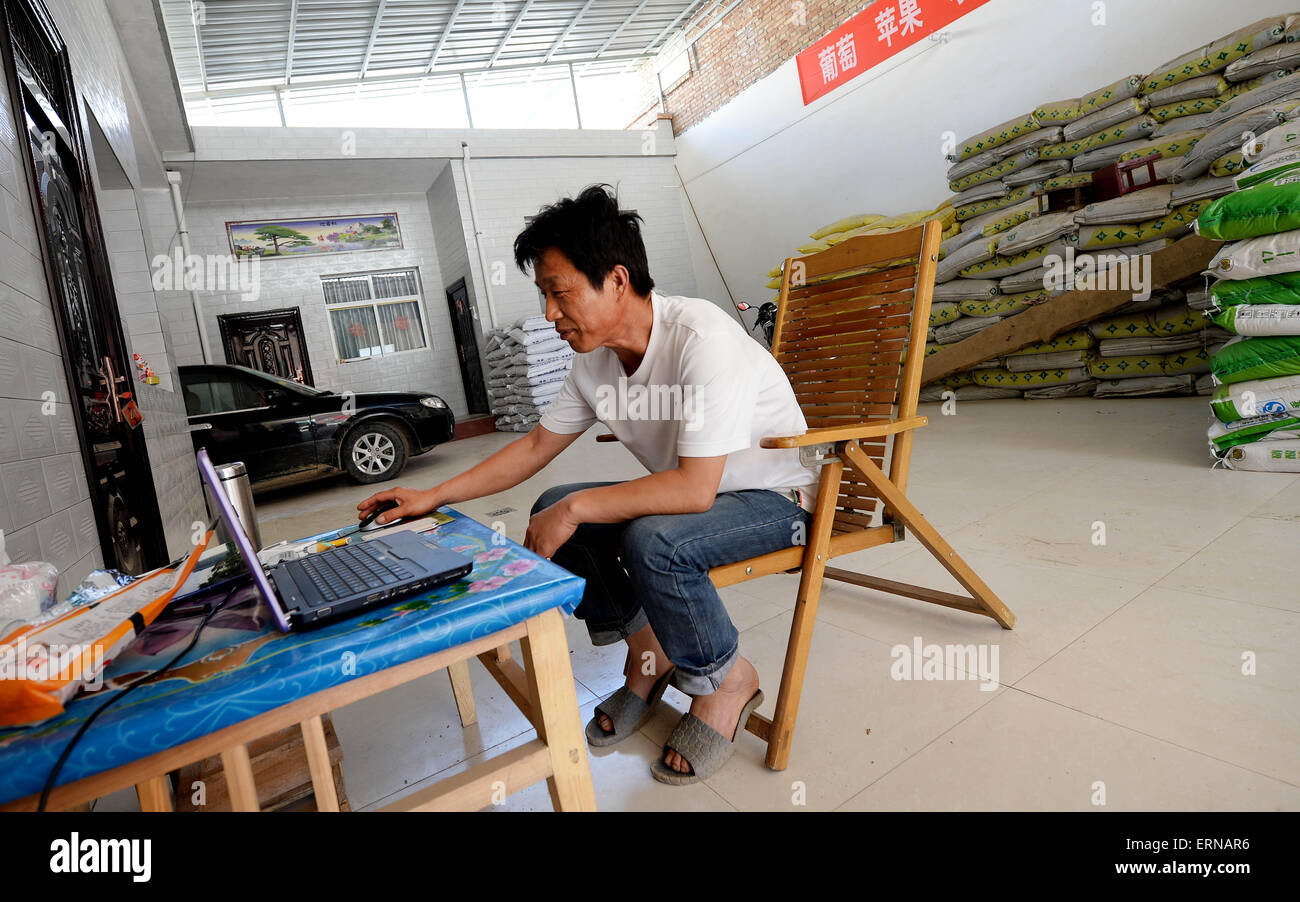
[[270, 341], [462, 329], [96, 362]]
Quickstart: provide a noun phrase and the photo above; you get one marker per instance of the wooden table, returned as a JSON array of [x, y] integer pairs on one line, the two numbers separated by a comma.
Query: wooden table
[[511, 594]]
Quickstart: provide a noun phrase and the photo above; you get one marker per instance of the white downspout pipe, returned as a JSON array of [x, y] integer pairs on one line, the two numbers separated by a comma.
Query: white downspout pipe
[[174, 180], [478, 237]]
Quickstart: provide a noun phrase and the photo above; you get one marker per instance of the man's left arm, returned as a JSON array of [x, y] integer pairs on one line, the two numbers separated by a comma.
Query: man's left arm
[[689, 489]]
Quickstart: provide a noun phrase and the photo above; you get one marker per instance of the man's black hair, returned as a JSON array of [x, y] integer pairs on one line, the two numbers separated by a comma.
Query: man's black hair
[[593, 233]]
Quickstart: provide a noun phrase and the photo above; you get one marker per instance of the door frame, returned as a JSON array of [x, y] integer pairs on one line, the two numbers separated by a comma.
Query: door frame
[[470, 402], [153, 540], [295, 313]]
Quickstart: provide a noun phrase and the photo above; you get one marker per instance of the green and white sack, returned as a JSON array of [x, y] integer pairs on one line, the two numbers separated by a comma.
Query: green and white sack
[[1225, 436], [1258, 319], [1276, 140], [1267, 255], [1275, 167], [1264, 357], [1256, 397], [1264, 209], [1283, 288], [1270, 456]]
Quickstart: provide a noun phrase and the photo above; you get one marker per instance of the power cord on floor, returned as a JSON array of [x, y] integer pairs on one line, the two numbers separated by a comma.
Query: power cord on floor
[[58, 765]]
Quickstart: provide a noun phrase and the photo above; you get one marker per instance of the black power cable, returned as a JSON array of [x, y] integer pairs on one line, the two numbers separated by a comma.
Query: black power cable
[[58, 765]]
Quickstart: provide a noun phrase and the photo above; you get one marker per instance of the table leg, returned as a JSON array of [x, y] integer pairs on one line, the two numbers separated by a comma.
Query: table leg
[[155, 794], [555, 703], [463, 692], [239, 779], [318, 762]]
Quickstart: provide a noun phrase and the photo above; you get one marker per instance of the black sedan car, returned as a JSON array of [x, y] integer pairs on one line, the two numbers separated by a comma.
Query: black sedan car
[[285, 432]]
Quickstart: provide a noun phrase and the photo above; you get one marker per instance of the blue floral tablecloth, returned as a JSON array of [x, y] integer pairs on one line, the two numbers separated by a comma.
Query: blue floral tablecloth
[[244, 666]]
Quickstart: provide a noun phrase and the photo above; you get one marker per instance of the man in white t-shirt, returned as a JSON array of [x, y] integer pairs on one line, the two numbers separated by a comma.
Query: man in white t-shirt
[[690, 395]]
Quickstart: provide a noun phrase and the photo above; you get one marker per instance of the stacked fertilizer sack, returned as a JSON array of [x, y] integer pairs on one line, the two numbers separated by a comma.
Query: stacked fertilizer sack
[[864, 224], [1256, 297], [527, 364], [1193, 112]]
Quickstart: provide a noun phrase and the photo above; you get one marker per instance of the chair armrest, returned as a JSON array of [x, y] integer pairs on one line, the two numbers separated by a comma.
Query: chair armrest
[[607, 437], [843, 433]]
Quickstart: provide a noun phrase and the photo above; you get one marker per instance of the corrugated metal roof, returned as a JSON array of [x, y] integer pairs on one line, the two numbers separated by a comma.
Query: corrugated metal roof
[[232, 47]]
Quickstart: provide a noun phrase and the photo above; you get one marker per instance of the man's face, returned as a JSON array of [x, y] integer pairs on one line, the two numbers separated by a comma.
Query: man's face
[[585, 317]]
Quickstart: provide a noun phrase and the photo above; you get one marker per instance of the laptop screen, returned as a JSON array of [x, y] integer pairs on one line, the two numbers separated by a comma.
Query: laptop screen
[[242, 543]]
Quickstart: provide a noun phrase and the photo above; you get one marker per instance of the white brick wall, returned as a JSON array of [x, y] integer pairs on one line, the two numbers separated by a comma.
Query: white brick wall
[[514, 172], [295, 282], [45, 508]]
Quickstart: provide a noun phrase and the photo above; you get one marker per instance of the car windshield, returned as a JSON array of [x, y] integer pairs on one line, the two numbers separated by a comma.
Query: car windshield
[[285, 383]]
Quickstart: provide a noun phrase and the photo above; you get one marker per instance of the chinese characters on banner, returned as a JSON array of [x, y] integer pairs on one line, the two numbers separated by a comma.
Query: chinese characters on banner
[[871, 37]]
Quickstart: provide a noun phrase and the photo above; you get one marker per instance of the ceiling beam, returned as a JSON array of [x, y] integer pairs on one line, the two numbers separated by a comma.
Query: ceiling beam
[[510, 32], [413, 77], [686, 10], [442, 38], [374, 33], [293, 32], [568, 30], [614, 34]]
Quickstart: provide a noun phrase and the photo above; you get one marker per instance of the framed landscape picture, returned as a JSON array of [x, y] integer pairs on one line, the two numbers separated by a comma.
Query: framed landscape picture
[[278, 238]]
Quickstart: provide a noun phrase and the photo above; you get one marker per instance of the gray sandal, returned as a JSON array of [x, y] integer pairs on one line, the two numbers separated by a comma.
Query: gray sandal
[[627, 710], [704, 748]]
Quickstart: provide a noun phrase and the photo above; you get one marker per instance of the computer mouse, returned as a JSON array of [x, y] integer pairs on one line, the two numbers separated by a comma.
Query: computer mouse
[[369, 524]]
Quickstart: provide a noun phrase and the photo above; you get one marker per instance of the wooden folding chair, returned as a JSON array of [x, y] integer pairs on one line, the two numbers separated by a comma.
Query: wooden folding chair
[[847, 315]]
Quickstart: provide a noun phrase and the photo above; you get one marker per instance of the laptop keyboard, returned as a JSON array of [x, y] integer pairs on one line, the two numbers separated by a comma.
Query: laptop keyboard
[[350, 570]]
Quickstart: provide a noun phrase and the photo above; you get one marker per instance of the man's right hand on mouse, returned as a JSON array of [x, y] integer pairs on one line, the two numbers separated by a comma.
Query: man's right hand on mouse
[[410, 503]]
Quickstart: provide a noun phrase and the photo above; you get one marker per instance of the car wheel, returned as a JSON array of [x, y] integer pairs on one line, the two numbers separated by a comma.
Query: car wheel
[[374, 452]]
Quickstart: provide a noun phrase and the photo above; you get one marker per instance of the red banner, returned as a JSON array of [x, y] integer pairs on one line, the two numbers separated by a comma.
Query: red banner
[[871, 37]]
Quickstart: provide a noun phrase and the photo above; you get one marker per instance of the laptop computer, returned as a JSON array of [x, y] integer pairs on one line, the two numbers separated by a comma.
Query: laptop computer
[[338, 582]]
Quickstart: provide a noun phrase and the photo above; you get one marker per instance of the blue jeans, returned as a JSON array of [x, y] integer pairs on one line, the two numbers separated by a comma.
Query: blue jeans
[[655, 570]]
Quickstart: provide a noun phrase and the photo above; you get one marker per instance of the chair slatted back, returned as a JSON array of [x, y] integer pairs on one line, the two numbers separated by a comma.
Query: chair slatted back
[[846, 317]]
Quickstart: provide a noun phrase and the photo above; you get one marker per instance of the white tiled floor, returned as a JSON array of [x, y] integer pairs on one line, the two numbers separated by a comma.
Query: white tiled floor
[[1124, 674]]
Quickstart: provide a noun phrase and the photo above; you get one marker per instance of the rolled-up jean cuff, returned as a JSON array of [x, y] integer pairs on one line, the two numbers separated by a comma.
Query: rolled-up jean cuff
[[607, 634], [704, 682]]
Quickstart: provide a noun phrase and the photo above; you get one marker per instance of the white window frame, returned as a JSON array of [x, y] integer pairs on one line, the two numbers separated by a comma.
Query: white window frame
[[375, 303]]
